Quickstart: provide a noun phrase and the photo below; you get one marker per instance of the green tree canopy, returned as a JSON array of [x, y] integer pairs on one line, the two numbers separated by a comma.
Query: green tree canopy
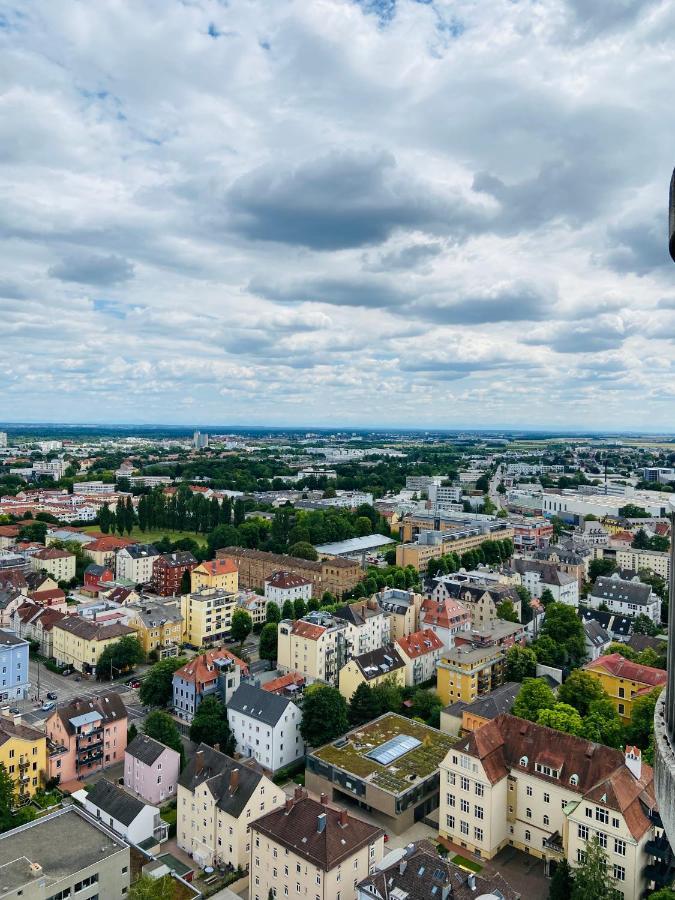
[[534, 696], [363, 706], [562, 717], [118, 658], [506, 611], [210, 726], [640, 729], [160, 726], [521, 663], [241, 626], [268, 646], [580, 690], [157, 686], [303, 550], [149, 888], [324, 715], [272, 612], [560, 886], [564, 627], [287, 611], [591, 878]]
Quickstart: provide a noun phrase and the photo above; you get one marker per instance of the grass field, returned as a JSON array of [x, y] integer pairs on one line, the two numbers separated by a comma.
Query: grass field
[[148, 537], [465, 863]]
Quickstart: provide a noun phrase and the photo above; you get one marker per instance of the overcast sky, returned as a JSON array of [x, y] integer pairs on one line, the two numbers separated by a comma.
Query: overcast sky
[[327, 212]]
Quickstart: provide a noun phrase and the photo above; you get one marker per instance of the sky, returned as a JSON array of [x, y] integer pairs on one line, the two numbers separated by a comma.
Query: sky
[[415, 213]]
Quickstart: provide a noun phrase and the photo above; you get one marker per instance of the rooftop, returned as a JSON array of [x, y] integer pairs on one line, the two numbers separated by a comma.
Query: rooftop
[[113, 800], [617, 665], [614, 588], [286, 580], [351, 752], [420, 643], [381, 661], [206, 666], [253, 702], [146, 749], [217, 567], [354, 545], [490, 705]]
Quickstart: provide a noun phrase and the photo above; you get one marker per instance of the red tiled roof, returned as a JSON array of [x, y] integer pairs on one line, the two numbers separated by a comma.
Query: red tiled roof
[[419, 643], [286, 580], [307, 630], [219, 567], [444, 613], [9, 531], [618, 665], [47, 597], [279, 684], [52, 553], [201, 668], [108, 542]]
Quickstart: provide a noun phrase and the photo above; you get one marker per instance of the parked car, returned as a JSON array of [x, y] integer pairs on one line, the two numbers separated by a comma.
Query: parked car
[[52, 696], [48, 706], [15, 711]]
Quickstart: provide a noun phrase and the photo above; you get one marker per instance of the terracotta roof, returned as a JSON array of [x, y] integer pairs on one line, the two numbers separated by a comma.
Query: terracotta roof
[[202, 670], [297, 828], [9, 531], [286, 580], [55, 595], [280, 684], [444, 613], [108, 542], [218, 567], [307, 630], [52, 553], [620, 667], [419, 643]]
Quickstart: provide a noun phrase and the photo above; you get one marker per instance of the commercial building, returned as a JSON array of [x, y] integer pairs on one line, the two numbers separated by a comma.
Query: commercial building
[[390, 767], [64, 854], [531, 534], [461, 717], [78, 642], [354, 548], [220, 574], [372, 668], [60, 564], [86, 736], [627, 598], [516, 783], [130, 818], [93, 487], [168, 570], [14, 677], [436, 540], [283, 586], [574, 506], [151, 769], [218, 802], [216, 672], [316, 646], [23, 753], [266, 727], [135, 563], [420, 652], [625, 681], [309, 849], [207, 616], [255, 566]]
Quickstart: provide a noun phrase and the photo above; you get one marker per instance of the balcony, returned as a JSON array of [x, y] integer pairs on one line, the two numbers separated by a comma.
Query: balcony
[[659, 848], [661, 874], [554, 844]]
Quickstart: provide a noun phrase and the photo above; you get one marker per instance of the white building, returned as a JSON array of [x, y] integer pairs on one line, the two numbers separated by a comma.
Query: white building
[[283, 586], [127, 816], [265, 726], [93, 487], [421, 653], [627, 598], [368, 626], [538, 576], [135, 563]]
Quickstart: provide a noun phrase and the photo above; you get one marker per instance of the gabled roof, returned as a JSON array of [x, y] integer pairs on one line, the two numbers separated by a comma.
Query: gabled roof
[[8, 730], [284, 682], [297, 828], [445, 613], [253, 702], [216, 770], [621, 591], [110, 709], [358, 613], [89, 630], [307, 629], [611, 622], [376, 663], [617, 665], [203, 669], [217, 567], [146, 749], [489, 706], [420, 643], [52, 553], [285, 580], [114, 800], [178, 560]]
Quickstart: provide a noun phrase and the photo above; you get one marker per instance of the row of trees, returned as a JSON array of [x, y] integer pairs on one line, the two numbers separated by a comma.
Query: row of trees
[[491, 553]]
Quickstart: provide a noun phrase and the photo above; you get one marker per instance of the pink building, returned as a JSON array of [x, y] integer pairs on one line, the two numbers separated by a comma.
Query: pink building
[[151, 770], [86, 736]]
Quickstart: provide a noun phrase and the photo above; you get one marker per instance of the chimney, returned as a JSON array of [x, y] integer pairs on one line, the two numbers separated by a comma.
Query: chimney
[[321, 823], [324, 799], [343, 818], [471, 882], [298, 793], [289, 805], [402, 866], [634, 761], [234, 780], [17, 719], [216, 747], [199, 761]]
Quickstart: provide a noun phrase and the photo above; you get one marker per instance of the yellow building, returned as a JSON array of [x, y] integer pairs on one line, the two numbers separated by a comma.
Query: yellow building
[[23, 753], [207, 615], [453, 540], [372, 668], [159, 627], [625, 681], [221, 574], [316, 646], [79, 642], [468, 673]]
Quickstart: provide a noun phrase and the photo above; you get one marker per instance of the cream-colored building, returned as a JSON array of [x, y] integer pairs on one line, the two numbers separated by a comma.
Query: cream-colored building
[[373, 668], [79, 642], [219, 799], [652, 560], [60, 564], [216, 573], [207, 615], [403, 609], [421, 653], [311, 850], [316, 646], [159, 627], [516, 783], [368, 625]]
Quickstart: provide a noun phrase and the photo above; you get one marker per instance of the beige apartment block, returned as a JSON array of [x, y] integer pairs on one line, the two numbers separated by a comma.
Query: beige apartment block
[[316, 646], [652, 560], [60, 564]]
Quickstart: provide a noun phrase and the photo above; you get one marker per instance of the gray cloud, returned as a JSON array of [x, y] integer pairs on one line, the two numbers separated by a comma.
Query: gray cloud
[[367, 292], [640, 247], [590, 19], [415, 256], [517, 303], [93, 269]]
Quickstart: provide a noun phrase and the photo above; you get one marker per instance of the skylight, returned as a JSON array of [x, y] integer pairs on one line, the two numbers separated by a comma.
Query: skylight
[[393, 749]]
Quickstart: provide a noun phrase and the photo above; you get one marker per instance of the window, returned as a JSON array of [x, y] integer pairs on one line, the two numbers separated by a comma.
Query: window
[[619, 847], [581, 856], [450, 820], [298, 867], [601, 815], [86, 882], [622, 709], [523, 761], [451, 800], [528, 790], [464, 806], [622, 692], [619, 873], [478, 834], [574, 780], [589, 812], [464, 782], [528, 812], [602, 839], [615, 822], [464, 827], [546, 820], [478, 812], [582, 832], [547, 797], [451, 778], [527, 835], [480, 790]]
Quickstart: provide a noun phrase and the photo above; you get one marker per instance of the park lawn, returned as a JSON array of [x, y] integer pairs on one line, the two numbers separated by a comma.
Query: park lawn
[[147, 537]]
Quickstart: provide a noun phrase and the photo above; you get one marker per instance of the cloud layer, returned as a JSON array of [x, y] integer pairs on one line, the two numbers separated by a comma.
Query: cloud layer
[[430, 213]]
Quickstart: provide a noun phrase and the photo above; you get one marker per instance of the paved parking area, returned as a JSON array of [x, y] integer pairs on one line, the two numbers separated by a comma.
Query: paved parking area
[[523, 872]]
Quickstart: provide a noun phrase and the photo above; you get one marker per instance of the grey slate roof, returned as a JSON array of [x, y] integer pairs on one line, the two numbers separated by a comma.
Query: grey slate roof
[[490, 705], [146, 749], [216, 770], [378, 662], [263, 706], [621, 591], [616, 626], [138, 551], [113, 800], [595, 633]]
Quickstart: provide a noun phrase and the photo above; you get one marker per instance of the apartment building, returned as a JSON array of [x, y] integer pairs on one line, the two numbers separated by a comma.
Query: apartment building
[[625, 681], [220, 574], [23, 753], [336, 575], [446, 618], [420, 652], [168, 571], [207, 616], [460, 717], [317, 646], [214, 672], [60, 564], [218, 802], [85, 736], [135, 563], [403, 608], [266, 727], [368, 625], [158, 626], [538, 576], [572, 562], [33, 622], [308, 849], [372, 668], [151, 769], [627, 598], [78, 642], [532, 534], [283, 586], [103, 551], [516, 783], [481, 598], [467, 672], [651, 560], [14, 674]]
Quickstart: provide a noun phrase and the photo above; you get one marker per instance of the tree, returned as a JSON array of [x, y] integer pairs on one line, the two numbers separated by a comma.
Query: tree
[[506, 611], [299, 608], [562, 717], [149, 888], [157, 687], [186, 582], [534, 696], [105, 517], [564, 627], [303, 550], [642, 624], [129, 516], [600, 567], [132, 732], [287, 611], [662, 894], [239, 512], [222, 536], [546, 597], [241, 626], [603, 725], [9, 819], [364, 706], [580, 690], [591, 878], [427, 705], [640, 729], [521, 663], [548, 652], [363, 526], [119, 657], [622, 649], [210, 726], [389, 695], [272, 612], [267, 648], [160, 726], [560, 886], [324, 715]]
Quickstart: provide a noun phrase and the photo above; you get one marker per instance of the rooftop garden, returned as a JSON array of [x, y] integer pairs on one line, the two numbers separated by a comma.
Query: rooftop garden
[[350, 753]]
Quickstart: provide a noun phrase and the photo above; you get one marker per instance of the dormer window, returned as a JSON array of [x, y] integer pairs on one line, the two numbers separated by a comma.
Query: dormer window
[[574, 780], [524, 761]]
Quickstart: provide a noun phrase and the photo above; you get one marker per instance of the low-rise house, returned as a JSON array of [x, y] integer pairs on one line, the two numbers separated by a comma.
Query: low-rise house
[[283, 586], [214, 672], [78, 642], [130, 818], [33, 622], [291, 685], [168, 571], [254, 605], [220, 574], [619, 628], [219, 799], [372, 668], [23, 753], [158, 626], [627, 598], [420, 653], [265, 726], [104, 549], [37, 582], [309, 849], [97, 578], [50, 599], [625, 681], [14, 674], [461, 717], [86, 736], [151, 769], [596, 639], [135, 563], [60, 564], [11, 598]]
